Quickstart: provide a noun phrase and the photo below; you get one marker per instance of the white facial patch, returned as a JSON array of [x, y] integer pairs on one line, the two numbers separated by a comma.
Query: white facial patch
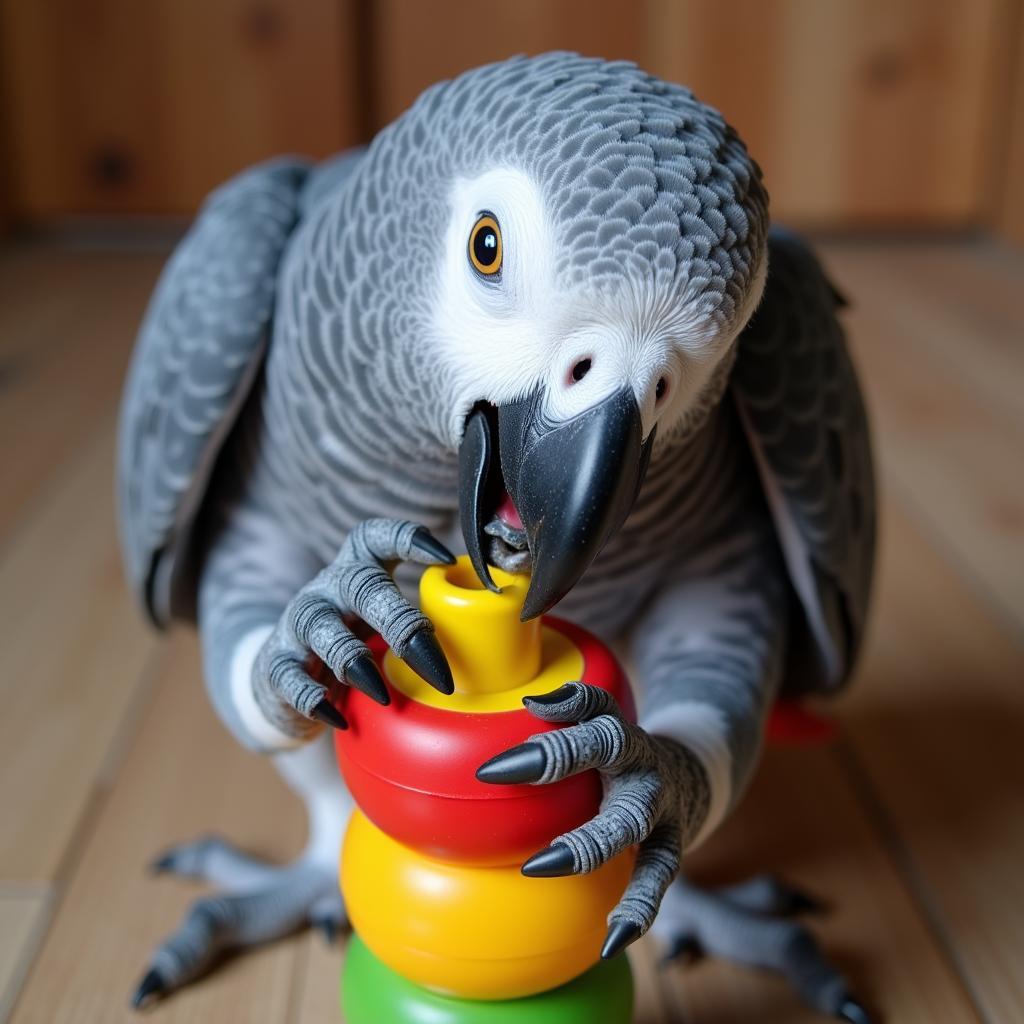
[[501, 337]]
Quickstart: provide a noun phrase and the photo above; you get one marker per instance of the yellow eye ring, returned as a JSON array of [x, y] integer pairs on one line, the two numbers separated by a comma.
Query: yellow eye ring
[[485, 245]]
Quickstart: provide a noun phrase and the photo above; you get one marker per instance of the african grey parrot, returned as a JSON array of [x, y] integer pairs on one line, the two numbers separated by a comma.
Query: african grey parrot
[[541, 318]]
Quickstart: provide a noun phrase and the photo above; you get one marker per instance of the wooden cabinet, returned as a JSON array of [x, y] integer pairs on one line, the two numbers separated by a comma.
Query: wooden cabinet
[[861, 112], [142, 106], [1008, 208]]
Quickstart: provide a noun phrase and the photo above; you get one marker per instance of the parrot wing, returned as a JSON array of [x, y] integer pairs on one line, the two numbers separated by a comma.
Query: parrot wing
[[198, 353], [797, 394]]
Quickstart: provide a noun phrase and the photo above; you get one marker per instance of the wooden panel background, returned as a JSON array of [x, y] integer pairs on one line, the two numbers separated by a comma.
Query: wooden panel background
[[1009, 211], [862, 112], [859, 111], [116, 106]]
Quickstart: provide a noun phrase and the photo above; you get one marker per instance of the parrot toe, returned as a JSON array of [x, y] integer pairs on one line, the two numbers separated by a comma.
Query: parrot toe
[[749, 923], [256, 904]]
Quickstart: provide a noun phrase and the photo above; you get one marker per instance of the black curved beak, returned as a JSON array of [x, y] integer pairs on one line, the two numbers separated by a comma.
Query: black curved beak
[[573, 483]]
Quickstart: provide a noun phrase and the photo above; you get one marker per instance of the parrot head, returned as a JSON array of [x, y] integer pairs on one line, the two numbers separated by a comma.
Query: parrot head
[[597, 243]]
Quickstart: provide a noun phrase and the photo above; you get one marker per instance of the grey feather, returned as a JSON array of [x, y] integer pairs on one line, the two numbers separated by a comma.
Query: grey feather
[[797, 394], [198, 352]]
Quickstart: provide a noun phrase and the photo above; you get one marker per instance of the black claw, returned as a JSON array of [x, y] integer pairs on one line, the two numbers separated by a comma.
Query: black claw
[[802, 903], [327, 713], [554, 697], [163, 863], [552, 862], [620, 935], [363, 674], [424, 541], [524, 763], [684, 948], [328, 927], [424, 656], [151, 988], [850, 1009]]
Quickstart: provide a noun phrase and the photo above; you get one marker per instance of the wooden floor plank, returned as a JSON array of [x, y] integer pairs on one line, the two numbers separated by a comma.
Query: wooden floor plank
[[937, 721], [955, 304], [920, 865], [183, 776], [66, 374], [317, 982], [72, 652], [23, 912], [651, 999], [942, 441]]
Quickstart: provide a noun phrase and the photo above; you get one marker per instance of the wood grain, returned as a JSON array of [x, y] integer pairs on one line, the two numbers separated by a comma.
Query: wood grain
[[949, 442], [937, 722], [181, 776], [65, 338], [72, 648], [1007, 211], [464, 35], [857, 111], [120, 107], [860, 111], [23, 912]]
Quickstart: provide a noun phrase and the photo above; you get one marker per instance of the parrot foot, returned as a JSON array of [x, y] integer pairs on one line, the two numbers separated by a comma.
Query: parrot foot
[[751, 923], [257, 903]]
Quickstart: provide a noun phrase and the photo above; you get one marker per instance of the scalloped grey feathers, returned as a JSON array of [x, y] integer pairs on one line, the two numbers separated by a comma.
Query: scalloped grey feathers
[[643, 180]]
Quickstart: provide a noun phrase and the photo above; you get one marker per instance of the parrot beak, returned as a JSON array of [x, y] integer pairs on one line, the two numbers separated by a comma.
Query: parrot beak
[[572, 483]]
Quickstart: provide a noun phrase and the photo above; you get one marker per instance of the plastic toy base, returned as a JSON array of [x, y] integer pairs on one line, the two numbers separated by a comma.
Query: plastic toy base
[[470, 932], [371, 993]]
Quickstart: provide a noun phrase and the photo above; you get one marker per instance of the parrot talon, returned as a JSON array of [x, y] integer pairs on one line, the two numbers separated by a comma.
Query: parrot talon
[[427, 544], [327, 713], [851, 1010], [553, 861], [328, 928], [525, 763], [162, 865], [363, 674], [424, 656], [150, 989], [620, 935], [800, 902]]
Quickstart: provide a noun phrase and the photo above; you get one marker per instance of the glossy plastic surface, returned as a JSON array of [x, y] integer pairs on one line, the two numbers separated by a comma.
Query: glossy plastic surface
[[371, 993], [411, 766], [474, 933]]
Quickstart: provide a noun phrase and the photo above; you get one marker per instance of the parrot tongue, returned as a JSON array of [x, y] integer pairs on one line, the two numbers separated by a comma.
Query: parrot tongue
[[508, 512]]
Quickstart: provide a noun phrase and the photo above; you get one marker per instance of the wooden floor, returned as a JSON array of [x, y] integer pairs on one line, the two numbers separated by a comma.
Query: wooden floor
[[911, 826]]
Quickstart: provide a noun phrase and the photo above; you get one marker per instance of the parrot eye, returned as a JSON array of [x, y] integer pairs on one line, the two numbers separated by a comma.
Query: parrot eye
[[485, 245]]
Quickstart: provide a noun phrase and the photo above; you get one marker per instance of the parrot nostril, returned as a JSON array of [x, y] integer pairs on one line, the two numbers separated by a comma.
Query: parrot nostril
[[580, 370], [660, 390]]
